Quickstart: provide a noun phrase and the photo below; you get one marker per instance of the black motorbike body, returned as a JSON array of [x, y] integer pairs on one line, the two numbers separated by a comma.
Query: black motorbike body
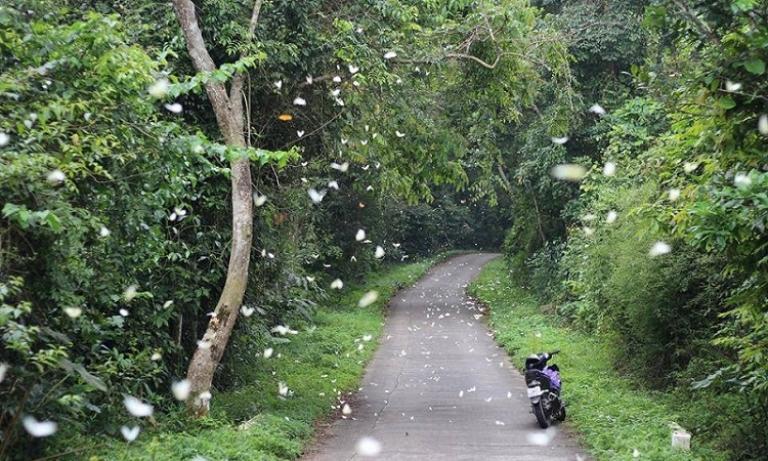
[[544, 387]]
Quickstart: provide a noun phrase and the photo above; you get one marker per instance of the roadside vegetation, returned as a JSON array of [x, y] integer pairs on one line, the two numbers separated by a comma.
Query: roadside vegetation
[[319, 365], [614, 417]]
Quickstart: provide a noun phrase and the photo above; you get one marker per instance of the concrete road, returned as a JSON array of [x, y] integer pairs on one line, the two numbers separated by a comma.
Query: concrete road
[[439, 388]]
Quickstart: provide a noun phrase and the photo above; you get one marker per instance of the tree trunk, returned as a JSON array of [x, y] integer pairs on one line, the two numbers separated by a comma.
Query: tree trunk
[[228, 108]]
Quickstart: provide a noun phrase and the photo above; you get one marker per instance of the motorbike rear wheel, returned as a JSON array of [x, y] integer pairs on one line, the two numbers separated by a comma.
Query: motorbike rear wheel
[[544, 419]]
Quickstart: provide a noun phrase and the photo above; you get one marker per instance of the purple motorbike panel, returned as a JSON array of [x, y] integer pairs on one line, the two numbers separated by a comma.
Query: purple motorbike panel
[[554, 377]]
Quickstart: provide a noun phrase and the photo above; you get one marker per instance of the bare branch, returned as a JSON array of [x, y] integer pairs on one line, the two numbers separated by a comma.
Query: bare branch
[[476, 59]]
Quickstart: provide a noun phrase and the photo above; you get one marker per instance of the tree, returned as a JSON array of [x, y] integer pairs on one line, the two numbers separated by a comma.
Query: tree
[[228, 109]]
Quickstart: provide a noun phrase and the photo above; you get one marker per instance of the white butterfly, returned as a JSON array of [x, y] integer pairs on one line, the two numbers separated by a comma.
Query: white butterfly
[[300, 133], [37, 428], [659, 248], [762, 126], [741, 180], [337, 79], [278, 84], [159, 89], [310, 80], [360, 236], [130, 433], [259, 200], [336, 92], [353, 69], [732, 86], [175, 108], [299, 101], [282, 389], [368, 447], [341, 167], [137, 408], [379, 252], [346, 410], [73, 312], [399, 134], [316, 196], [597, 109], [55, 177], [569, 172], [181, 389], [368, 299], [337, 284], [268, 352], [333, 185], [560, 141], [246, 311], [390, 55], [609, 169]]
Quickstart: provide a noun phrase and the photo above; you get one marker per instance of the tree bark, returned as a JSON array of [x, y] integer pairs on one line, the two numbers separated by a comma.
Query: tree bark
[[228, 109]]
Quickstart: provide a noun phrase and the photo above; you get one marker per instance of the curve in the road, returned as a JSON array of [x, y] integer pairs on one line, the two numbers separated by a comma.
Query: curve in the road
[[439, 388]]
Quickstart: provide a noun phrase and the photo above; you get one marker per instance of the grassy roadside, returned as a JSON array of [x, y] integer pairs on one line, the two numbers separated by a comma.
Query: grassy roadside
[[253, 422], [612, 415]]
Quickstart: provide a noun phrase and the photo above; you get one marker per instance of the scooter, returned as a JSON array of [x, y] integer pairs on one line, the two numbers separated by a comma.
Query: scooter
[[544, 387]]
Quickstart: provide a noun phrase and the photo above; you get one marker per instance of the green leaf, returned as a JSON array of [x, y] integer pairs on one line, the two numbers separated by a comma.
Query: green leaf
[[755, 66], [726, 102]]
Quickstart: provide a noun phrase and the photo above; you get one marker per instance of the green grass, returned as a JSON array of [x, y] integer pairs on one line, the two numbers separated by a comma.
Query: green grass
[[612, 414], [252, 422]]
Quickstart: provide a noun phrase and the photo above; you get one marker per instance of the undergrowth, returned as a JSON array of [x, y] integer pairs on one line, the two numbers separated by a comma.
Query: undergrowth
[[613, 415], [253, 422]]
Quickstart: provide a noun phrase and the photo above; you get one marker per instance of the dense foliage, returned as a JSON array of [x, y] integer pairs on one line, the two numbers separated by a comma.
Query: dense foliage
[[114, 180], [677, 163]]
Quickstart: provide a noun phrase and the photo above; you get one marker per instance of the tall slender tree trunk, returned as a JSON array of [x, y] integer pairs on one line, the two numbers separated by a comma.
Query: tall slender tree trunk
[[228, 109]]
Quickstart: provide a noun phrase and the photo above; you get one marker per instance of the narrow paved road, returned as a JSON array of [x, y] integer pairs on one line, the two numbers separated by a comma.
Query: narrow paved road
[[439, 388]]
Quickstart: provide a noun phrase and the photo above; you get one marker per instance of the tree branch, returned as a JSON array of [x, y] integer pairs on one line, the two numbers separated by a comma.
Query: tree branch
[[202, 61], [476, 59]]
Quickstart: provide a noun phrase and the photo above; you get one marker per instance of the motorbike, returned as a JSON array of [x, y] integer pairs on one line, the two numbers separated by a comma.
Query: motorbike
[[544, 387]]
